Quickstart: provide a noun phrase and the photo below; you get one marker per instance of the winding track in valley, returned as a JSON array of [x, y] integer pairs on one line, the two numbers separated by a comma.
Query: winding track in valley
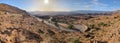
[[60, 27]]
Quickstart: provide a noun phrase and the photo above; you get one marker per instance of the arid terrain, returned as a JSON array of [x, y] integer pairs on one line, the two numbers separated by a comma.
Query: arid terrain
[[18, 26]]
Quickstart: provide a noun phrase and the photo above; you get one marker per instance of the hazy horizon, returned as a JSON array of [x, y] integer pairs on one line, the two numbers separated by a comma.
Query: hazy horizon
[[64, 5]]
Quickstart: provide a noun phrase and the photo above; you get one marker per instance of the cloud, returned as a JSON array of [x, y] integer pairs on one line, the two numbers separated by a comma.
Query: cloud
[[96, 2]]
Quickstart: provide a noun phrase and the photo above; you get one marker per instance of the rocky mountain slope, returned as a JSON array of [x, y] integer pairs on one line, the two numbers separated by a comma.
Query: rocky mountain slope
[[8, 8], [17, 26]]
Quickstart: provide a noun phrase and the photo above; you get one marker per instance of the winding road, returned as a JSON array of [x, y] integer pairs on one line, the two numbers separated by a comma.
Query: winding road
[[59, 27]]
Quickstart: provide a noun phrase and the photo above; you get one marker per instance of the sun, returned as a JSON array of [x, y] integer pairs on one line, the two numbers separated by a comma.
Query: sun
[[46, 1]]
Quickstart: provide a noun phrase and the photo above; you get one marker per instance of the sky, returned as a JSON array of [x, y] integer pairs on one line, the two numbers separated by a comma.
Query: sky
[[64, 5]]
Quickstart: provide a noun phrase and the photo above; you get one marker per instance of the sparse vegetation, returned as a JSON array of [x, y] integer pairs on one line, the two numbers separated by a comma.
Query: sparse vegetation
[[103, 24], [93, 26], [56, 24], [70, 26], [54, 20], [40, 31], [51, 32], [98, 19], [31, 23], [107, 17], [116, 17], [75, 40]]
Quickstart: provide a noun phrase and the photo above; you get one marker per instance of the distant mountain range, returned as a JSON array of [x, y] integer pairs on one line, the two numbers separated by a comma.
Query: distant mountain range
[[40, 13], [89, 11]]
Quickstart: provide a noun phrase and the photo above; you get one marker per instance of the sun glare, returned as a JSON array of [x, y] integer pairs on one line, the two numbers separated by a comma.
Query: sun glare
[[46, 1]]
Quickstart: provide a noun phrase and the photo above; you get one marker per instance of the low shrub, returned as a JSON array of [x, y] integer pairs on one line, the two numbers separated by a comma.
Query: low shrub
[[76, 40], [70, 26], [103, 24]]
